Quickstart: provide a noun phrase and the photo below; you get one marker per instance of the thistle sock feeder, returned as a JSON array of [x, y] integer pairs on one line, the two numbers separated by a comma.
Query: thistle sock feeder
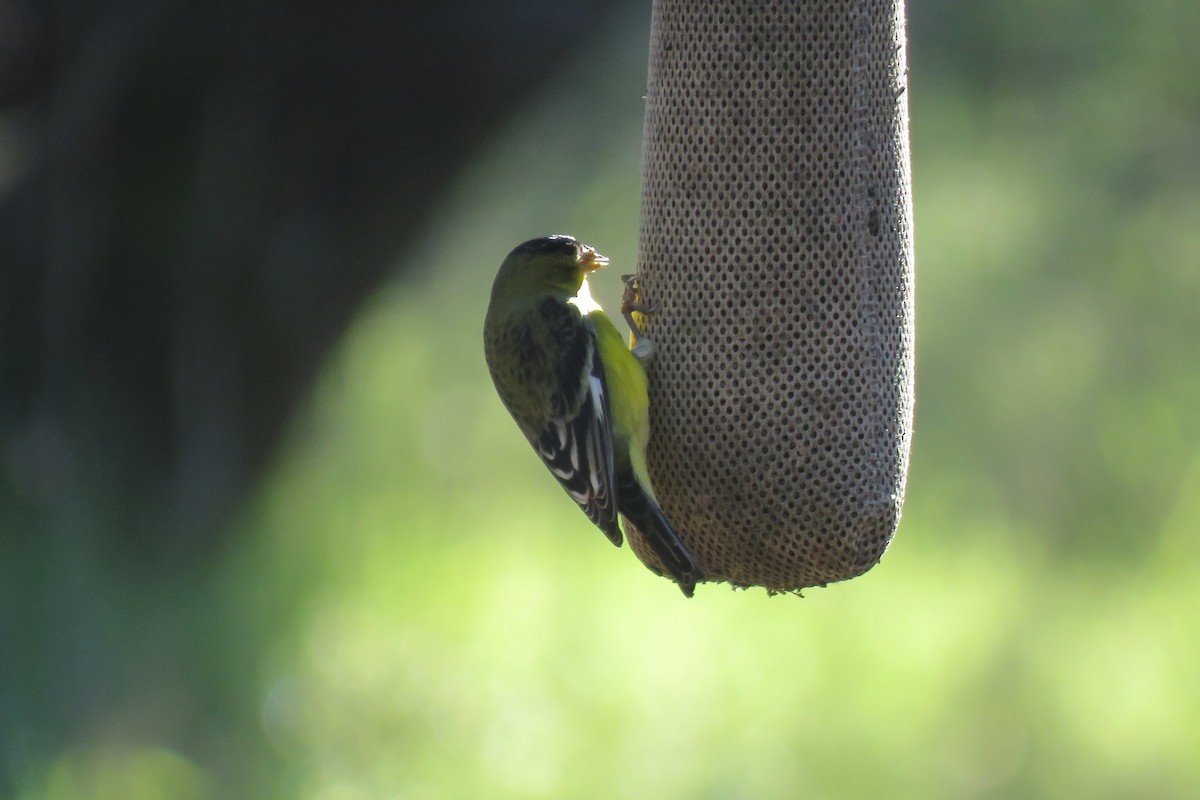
[[776, 249]]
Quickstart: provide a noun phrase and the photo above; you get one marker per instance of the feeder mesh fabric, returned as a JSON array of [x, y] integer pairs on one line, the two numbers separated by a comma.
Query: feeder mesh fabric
[[776, 245]]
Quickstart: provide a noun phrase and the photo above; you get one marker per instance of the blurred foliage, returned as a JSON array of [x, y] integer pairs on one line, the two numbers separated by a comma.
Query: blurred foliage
[[414, 610]]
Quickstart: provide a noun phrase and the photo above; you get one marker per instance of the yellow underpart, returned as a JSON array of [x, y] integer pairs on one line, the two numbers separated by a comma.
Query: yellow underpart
[[628, 400]]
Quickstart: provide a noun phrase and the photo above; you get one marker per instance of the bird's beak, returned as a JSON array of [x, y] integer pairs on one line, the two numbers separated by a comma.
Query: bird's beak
[[590, 259]]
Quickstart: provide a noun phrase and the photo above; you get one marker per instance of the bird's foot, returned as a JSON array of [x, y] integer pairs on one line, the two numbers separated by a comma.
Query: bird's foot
[[643, 348]]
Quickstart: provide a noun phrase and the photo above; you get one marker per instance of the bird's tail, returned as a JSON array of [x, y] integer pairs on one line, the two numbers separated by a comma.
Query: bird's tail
[[643, 511]]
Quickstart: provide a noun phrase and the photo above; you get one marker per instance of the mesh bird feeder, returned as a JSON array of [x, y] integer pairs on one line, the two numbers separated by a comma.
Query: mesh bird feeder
[[776, 245]]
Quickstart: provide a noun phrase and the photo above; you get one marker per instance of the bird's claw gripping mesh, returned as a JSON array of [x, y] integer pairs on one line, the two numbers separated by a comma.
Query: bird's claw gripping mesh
[[776, 251]]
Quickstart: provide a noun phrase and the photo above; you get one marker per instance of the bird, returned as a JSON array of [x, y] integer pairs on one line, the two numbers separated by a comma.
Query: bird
[[577, 392]]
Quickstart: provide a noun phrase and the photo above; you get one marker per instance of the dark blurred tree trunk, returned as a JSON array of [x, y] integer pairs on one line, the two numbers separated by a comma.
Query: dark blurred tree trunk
[[195, 196], [209, 191]]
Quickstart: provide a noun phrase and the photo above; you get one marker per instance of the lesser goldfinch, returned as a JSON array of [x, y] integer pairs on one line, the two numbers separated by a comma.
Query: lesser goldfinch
[[577, 392]]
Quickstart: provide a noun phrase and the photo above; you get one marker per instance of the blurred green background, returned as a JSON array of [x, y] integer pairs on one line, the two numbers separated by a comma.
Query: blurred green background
[[408, 607]]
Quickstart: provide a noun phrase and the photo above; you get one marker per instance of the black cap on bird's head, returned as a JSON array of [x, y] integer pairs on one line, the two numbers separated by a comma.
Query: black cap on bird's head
[[556, 264], [560, 244], [547, 245]]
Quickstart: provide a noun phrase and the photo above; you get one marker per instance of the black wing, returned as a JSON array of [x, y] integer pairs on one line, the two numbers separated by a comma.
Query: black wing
[[577, 445]]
